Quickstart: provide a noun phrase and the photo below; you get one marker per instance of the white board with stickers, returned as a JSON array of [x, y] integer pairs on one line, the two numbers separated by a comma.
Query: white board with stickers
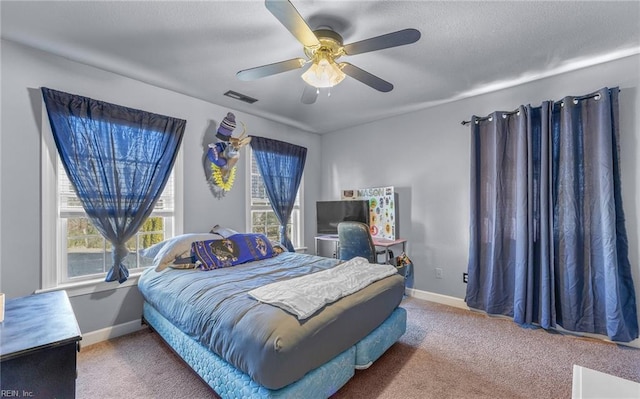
[[382, 209]]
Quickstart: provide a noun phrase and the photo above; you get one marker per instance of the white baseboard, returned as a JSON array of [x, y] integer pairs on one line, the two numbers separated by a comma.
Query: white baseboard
[[438, 298], [460, 303], [93, 337]]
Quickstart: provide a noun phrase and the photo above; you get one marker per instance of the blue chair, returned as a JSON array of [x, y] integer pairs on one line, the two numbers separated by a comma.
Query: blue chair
[[354, 239]]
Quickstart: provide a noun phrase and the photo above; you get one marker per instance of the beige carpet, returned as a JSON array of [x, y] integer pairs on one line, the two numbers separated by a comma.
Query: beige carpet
[[445, 353]]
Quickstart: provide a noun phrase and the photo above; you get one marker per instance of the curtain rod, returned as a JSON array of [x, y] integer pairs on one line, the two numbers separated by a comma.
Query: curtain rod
[[575, 99]]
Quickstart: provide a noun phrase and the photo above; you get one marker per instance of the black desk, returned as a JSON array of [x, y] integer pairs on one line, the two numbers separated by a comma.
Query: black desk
[[39, 340]]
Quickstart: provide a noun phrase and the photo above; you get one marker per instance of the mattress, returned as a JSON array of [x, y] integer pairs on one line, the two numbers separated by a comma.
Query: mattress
[[320, 383], [271, 346]]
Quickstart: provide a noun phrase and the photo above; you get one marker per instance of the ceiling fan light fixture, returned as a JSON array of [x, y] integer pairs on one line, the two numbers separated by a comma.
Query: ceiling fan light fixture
[[324, 72], [323, 47]]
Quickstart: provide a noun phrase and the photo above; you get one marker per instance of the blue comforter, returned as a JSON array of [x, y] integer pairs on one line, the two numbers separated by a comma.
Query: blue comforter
[[272, 346]]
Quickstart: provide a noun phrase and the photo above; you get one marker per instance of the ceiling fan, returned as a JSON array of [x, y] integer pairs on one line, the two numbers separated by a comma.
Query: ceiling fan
[[323, 47]]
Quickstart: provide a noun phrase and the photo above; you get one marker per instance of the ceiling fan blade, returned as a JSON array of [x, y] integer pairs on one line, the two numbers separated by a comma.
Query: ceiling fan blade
[[288, 16], [399, 38], [365, 77], [271, 69], [309, 94]]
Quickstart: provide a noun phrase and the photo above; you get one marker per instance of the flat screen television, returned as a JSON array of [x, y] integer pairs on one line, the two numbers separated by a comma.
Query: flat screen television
[[330, 213]]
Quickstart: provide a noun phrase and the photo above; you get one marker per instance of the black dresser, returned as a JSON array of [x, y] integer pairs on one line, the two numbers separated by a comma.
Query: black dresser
[[39, 341]]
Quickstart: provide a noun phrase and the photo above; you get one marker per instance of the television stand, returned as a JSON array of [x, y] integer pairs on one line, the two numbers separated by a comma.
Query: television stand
[[378, 242]]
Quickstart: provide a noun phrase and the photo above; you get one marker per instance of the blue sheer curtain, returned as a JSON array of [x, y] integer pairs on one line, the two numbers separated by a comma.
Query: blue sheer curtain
[[281, 165], [548, 244], [118, 160]]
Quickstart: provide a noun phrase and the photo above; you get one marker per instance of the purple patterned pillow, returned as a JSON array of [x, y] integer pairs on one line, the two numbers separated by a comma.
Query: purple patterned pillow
[[233, 250]]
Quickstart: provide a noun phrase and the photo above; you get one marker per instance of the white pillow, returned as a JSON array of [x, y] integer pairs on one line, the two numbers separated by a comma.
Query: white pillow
[[166, 252], [223, 231], [153, 250]]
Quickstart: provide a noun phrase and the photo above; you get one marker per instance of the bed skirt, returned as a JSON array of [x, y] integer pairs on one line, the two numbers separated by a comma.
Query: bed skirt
[[229, 382]]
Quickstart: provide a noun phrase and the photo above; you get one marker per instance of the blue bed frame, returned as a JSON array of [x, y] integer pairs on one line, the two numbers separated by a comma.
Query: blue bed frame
[[229, 382]]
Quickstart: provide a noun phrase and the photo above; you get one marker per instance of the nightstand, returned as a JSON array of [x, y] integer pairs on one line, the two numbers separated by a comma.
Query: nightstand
[[39, 341]]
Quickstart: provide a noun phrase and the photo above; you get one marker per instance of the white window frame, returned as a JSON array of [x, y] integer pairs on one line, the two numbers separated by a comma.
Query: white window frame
[[52, 260], [297, 225]]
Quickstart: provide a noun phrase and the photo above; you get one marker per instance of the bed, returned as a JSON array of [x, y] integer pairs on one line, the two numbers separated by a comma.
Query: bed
[[243, 347]]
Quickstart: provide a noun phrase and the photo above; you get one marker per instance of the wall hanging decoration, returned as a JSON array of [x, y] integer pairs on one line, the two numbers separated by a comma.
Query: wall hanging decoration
[[223, 155], [383, 211]]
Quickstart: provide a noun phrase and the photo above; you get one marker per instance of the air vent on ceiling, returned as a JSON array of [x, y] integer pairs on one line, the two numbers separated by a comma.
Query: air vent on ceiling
[[241, 97]]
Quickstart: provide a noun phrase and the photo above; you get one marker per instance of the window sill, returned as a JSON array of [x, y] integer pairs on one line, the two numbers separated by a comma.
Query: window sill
[[99, 285], [93, 286]]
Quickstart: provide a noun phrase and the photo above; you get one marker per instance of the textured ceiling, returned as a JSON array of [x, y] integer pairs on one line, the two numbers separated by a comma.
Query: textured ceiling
[[196, 48]]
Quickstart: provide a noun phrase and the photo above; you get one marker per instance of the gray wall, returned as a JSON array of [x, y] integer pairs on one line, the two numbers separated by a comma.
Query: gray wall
[[24, 71], [425, 155]]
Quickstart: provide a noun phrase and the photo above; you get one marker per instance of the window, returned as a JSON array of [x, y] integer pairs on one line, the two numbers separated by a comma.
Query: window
[[85, 253], [261, 218], [74, 253]]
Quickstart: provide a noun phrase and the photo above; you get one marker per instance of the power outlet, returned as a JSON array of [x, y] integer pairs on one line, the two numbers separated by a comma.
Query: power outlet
[[438, 272], [465, 277]]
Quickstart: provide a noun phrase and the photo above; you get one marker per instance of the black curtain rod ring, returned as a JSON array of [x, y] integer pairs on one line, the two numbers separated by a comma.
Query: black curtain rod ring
[[596, 96]]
